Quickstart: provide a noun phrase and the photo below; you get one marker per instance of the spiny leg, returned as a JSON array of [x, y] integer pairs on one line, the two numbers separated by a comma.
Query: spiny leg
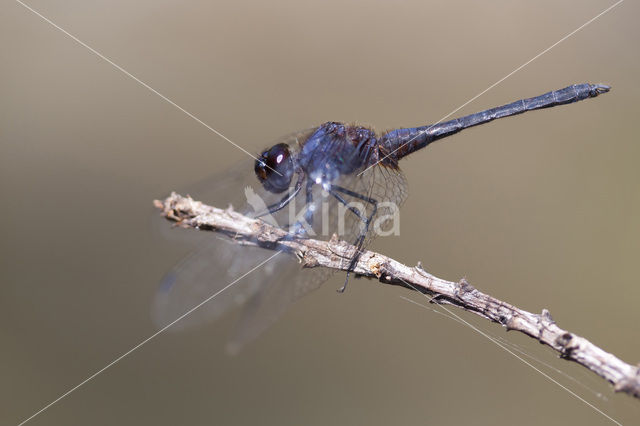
[[363, 233], [273, 208], [308, 214], [284, 201]]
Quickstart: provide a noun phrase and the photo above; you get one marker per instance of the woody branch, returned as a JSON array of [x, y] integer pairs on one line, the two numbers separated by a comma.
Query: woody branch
[[188, 213]]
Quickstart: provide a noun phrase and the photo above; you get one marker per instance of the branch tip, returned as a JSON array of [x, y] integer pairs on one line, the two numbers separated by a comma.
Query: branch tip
[[187, 213]]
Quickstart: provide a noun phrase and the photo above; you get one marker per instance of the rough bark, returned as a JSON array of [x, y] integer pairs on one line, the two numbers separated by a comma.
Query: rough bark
[[189, 213]]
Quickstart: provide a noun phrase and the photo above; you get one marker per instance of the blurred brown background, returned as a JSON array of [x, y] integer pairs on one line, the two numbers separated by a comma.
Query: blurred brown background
[[540, 210]]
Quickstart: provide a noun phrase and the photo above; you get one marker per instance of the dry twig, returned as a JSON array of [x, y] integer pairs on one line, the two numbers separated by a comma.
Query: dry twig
[[313, 253]]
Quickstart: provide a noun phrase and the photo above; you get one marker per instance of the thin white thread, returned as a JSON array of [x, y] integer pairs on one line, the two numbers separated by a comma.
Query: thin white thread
[[545, 375], [546, 364], [515, 348], [128, 74], [67, 393], [248, 153], [498, 82]]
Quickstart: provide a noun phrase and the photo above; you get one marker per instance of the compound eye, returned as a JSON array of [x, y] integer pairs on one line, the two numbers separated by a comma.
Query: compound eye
[[274, 168]]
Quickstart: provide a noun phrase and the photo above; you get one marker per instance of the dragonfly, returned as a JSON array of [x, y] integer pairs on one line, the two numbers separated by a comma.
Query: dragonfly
[[336, 178]]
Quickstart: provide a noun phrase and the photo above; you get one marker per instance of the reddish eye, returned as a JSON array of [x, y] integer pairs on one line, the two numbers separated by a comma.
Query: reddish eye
[[274, 168]]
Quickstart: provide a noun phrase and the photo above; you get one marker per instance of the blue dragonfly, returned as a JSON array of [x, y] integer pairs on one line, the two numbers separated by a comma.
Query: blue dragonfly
[[332, 179]]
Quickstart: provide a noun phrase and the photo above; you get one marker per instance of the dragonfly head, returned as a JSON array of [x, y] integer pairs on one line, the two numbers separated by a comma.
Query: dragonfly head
[[274, 168]]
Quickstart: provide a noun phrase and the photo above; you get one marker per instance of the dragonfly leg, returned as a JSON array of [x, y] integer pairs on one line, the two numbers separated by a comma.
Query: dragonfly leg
[[284, 201], [365, 219], [308, 215], [299, 228]]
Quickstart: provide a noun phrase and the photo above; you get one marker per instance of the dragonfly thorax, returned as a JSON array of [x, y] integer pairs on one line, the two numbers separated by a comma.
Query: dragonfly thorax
[[334, 150]]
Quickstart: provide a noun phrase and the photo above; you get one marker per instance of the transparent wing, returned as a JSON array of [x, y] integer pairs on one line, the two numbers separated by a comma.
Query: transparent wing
[[272, 300], [218, 262], [389, 187], [386, 185], [272, 287], [383, 184], [204, 274]]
